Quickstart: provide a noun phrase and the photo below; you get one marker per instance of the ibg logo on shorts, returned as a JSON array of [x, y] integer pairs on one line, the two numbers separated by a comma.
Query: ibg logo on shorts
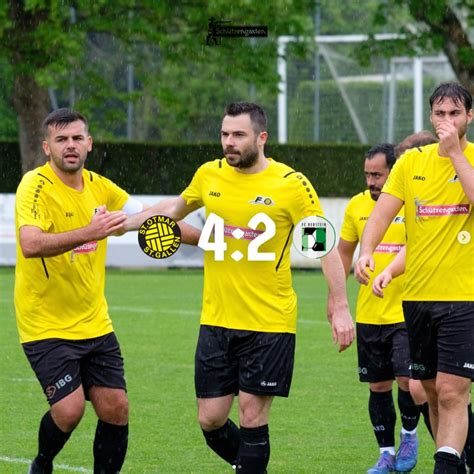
[[314, 237], [50, 390]]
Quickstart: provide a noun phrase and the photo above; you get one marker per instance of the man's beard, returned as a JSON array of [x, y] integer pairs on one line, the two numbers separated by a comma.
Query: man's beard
[[247, 159]]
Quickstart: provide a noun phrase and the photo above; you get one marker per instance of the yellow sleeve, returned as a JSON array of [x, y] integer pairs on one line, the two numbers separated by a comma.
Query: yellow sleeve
[[395, 184], [193, 193], [30, 205], [348, 229], [304, 201]]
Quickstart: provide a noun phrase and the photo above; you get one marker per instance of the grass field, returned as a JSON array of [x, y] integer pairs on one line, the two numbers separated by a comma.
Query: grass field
[[323, 427]]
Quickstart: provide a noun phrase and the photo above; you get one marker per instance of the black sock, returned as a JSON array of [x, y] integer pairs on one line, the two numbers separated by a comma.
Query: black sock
[[383, 417], [425, 411], [254, 452], [224, 441], [50, 441], [446, 463], [110, 447], [409, 412], [469, 447]]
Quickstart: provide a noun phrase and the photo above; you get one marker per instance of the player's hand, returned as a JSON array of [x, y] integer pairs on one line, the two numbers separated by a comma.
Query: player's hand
[[381, 281], [105, 223], [343, 332], [360, 268], [448, 138]]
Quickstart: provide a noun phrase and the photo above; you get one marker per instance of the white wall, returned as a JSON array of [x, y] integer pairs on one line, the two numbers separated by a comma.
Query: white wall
[[125, 252]]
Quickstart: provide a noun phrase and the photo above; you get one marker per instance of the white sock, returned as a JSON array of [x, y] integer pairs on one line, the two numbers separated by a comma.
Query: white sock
[[390, 449], [412, 432], [448, 449]]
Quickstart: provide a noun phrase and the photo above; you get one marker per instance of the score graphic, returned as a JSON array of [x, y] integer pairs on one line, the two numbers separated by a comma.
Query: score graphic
[[214, 227], [159, 237], [314, 237]]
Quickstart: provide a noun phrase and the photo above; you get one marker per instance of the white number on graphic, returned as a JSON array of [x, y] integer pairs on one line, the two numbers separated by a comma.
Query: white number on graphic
[[218, 246], [253, 254]]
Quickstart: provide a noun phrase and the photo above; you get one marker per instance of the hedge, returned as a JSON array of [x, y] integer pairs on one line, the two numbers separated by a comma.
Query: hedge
[[334, 170]]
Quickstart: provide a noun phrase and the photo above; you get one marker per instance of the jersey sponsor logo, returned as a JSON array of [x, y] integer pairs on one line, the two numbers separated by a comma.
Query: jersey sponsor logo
[[264, 200], [159, 237], [88, 247], [468, 365], [398, 220], [417, 177], [241, 233], [442, 210], [388, 248], [214, 194], [453, 180], [464, 237]]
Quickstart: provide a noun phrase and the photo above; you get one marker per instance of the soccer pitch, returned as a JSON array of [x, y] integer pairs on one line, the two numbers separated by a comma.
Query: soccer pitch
[[323, 427]]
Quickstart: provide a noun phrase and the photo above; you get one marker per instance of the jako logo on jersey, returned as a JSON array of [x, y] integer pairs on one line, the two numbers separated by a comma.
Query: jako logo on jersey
[[214, 193], [69, 214], [419, 178], [453, 180], [467, 365], [266, 201]]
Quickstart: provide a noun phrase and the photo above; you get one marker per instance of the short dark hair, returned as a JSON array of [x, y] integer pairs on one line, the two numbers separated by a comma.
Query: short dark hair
[[452, 90], [257, 114], [415, 140], [61, 118], [387, 149]]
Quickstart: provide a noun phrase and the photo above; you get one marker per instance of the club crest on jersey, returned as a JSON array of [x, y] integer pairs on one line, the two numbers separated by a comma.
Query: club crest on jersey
[[264, 200]]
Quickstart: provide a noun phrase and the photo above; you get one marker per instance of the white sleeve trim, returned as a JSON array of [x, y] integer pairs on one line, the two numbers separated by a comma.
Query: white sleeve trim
[[132, 206]]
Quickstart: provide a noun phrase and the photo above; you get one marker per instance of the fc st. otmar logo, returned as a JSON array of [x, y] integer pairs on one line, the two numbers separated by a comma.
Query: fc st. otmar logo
[[159, 237], [314, 237]]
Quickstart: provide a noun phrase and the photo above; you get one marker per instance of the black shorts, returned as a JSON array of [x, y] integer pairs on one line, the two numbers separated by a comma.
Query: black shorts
[[441, 335], [383, 352], [230, 360], [62, 365]]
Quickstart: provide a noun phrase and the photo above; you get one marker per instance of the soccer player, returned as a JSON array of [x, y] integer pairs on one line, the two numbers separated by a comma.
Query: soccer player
[[382, 340], [248, 322], [64, 214], [436, 183]]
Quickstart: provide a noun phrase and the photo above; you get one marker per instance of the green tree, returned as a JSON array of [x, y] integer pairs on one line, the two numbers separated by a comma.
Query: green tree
[[50, 44], [436, 25]]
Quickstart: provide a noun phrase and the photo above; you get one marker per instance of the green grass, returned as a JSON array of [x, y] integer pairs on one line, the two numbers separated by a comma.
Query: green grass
[[323, 427]]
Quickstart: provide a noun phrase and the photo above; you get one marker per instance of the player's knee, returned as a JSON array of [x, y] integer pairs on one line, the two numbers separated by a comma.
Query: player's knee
[[211, 421], [116, 412], [67, 416], [450, 395]]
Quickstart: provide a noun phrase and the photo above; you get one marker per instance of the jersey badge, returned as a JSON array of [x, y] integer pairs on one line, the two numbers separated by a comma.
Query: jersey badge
[[264, 200]]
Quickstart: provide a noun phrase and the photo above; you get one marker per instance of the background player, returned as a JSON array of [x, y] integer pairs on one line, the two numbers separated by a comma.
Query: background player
[[63, 216], [248, 321], [436, 184], [382, 340]]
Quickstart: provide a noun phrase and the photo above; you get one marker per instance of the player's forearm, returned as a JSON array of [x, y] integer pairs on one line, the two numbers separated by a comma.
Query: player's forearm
[[167, 208], [374, 231], [397, 265], [189, 234], [336, 279], [45, 244]]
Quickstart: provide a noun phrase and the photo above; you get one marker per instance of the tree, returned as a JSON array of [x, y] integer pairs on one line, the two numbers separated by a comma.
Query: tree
[[439, 25], [48, 44]]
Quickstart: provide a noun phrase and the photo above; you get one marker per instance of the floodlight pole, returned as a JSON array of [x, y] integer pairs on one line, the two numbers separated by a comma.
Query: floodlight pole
[[417, 94]]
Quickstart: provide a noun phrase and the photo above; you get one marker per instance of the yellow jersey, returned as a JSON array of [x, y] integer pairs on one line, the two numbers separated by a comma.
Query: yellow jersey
[[62, 296], [439, 223], [370, 308], [242, 291]]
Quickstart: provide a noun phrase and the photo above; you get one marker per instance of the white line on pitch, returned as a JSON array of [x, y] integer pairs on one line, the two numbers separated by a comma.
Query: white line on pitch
[[59, 466]]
